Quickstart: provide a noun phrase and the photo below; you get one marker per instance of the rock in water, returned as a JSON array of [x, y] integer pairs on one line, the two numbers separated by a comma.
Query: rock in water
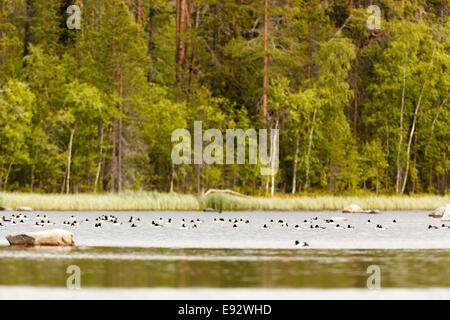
[[438, 213], [372, 211], [5, 209], [446, 215], [56, 238], [353, 208], [24, 209]]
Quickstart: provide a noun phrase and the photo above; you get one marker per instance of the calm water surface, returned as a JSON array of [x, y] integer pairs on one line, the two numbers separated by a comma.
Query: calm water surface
[[216, 255]]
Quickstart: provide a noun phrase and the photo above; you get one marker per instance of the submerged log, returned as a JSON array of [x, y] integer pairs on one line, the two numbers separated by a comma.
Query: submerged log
[[56, 238]]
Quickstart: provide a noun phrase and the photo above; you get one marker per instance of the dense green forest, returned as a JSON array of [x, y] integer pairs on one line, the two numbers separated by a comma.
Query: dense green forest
[[93, 109]]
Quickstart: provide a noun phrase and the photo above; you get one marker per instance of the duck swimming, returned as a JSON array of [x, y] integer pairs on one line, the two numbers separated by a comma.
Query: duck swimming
[[303, 244]]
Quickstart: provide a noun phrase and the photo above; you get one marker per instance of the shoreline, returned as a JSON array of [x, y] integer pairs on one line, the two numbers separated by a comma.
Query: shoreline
[[164, 293], [153, 201]]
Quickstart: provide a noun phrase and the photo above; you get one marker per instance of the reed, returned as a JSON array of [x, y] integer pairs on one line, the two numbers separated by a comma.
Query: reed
[[154, 201], [96, 202], [316, 203]]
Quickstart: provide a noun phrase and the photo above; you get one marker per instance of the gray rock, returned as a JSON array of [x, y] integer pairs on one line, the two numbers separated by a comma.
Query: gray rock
[[55, 238], [353, 208], [438, 213], [372, 211]]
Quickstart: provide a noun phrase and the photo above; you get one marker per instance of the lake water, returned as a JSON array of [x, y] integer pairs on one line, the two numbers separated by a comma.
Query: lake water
[[220, 257]]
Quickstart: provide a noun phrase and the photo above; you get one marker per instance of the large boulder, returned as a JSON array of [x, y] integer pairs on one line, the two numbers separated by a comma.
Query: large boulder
[[446, 215], [438, 213], [56, 238], [353, 208]]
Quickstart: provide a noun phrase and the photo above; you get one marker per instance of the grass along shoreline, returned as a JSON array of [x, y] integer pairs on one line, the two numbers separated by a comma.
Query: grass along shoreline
[[153, 201]]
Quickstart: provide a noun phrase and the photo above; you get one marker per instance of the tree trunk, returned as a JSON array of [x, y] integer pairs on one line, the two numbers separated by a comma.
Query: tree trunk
[[172, 178], [69, 158], [294, 173], [139, 11], [193, 49], [113, 158], [180, 46], [355, 85], [7, 176], [100, 159], [93, 15], [308, 154], [402, 107], [120, 138], [413, 128], [273, 160], [27, 36], [266, 59]]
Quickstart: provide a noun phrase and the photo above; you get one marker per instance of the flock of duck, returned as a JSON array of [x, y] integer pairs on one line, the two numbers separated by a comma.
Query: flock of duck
[[42, 220]]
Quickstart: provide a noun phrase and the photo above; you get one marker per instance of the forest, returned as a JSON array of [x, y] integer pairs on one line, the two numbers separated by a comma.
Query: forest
[[92, 110]]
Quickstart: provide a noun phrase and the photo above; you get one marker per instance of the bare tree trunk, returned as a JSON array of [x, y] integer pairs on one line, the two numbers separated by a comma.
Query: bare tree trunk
[[378, 181], [294, 173], [113, 158], [273, 160], [139, 11], [180, 46], [355, 84], [7, 176], [69, 159], [308, 154], [192, 60], [413, 128], [266, 59], [402, 107], [120, 138], [172, 178], [93, 15], [100, 160]]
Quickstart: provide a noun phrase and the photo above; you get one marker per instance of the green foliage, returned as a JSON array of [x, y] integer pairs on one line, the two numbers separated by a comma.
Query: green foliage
[[93, 110]]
